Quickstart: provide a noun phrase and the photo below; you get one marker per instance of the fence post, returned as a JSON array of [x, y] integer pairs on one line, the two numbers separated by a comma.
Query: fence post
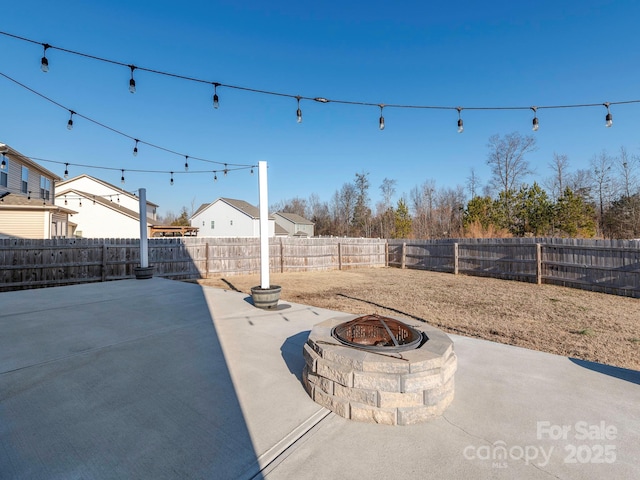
[[455, 258], [281, 256], [104, 261], [206, 260], [403, 259], [386, 253], [538, 264], [339, 256]]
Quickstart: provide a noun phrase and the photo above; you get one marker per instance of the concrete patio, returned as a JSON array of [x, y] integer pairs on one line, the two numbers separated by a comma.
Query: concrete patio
[[161, 379]]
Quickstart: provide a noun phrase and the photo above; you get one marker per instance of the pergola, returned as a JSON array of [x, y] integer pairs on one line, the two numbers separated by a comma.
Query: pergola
[[172, 231]]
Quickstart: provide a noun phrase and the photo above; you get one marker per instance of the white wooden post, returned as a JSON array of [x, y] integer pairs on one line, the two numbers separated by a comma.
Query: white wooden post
[[264, 225], [144, 244]]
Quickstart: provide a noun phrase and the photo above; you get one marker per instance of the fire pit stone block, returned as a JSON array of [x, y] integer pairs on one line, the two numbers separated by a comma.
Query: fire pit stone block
[[378, 387]]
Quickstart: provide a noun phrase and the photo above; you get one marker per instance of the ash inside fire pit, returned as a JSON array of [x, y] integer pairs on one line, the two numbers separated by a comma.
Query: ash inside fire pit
[[377, 333]]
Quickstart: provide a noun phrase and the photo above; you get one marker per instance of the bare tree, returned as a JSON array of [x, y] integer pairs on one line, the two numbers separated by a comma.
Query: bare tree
[[628, 166], [508, 164], [422, 202], [558, 181], [473, 182], [601, 171], [385, 217]]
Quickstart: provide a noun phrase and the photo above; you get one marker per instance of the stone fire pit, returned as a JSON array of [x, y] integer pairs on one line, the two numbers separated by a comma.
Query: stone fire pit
[[359, 379]]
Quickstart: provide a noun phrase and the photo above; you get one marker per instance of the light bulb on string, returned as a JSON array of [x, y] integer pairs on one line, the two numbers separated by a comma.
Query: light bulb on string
[[299, 112], [135, 148], [65, 199], [225, 170], [171, 180], [70, 122], [66, 170], [94, 199], [3, 165], [215, 176], [29, 195], [80, 202], [381, 122], [535, 124], [132, 82], [122, 177], [460, 122], [609, 117], [216, 101], [251, 170], [44, 62], [186, 163]]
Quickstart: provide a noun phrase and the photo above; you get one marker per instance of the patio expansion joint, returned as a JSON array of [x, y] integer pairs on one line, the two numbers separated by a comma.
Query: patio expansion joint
[[490, 443], [97, 349]]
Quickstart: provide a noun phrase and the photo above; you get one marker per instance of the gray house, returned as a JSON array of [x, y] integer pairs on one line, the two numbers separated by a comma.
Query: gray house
[[294, 224]]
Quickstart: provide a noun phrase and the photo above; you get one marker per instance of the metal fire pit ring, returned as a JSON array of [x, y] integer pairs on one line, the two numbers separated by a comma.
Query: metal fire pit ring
[[378, 334]]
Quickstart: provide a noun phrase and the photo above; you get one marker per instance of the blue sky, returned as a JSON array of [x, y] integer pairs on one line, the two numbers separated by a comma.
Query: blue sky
[[465, 53]]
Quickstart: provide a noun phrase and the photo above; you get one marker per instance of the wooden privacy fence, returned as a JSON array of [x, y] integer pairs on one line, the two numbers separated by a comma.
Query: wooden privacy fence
[[597, 265], [27, 263], [609, 266]]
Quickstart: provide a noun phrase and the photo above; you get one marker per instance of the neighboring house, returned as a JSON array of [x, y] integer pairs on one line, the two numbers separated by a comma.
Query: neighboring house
[[226, 217], [294, 224], [27, 190], [103, 210]]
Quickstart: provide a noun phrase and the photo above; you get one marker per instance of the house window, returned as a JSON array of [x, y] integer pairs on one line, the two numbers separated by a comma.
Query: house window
[[4, 173], [45, 187], [25, 180], [213, 224]]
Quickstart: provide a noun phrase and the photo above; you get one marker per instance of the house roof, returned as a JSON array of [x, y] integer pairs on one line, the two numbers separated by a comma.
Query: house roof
[[280, 230], [102, 201], [12, 153], [102, 182], [295, 218], [245, 207], [12, 201]]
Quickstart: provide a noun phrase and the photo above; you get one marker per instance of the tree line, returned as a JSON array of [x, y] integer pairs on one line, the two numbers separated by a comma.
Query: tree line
[[601, 201]]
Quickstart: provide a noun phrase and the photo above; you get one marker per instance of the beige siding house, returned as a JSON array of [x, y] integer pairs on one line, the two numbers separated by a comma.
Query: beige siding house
[[294, 224], [27, 190]]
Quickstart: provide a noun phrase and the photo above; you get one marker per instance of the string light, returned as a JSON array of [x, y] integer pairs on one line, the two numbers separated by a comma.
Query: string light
[[225, 169], [3, 165], [80, 201], [135, 148], [216, 101], [171, 180], [299, 112], [111, 129], [535, 119], [381, 124], [609, 117], [94, 199], [281, 94], [66, 170], [132, 82], [251, 170], [186, 163], [44, 63], [460, 122], [122, 177], [29, 195], [65, 199], [215, 176], [70, 122]]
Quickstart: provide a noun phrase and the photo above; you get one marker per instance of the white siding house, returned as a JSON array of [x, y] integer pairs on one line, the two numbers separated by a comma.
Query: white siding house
[[227, 217], [294, 224], [26, 199], [103, 210]]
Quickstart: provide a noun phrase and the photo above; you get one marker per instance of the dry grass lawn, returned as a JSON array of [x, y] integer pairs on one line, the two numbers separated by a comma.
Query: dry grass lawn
[[590, 326]]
